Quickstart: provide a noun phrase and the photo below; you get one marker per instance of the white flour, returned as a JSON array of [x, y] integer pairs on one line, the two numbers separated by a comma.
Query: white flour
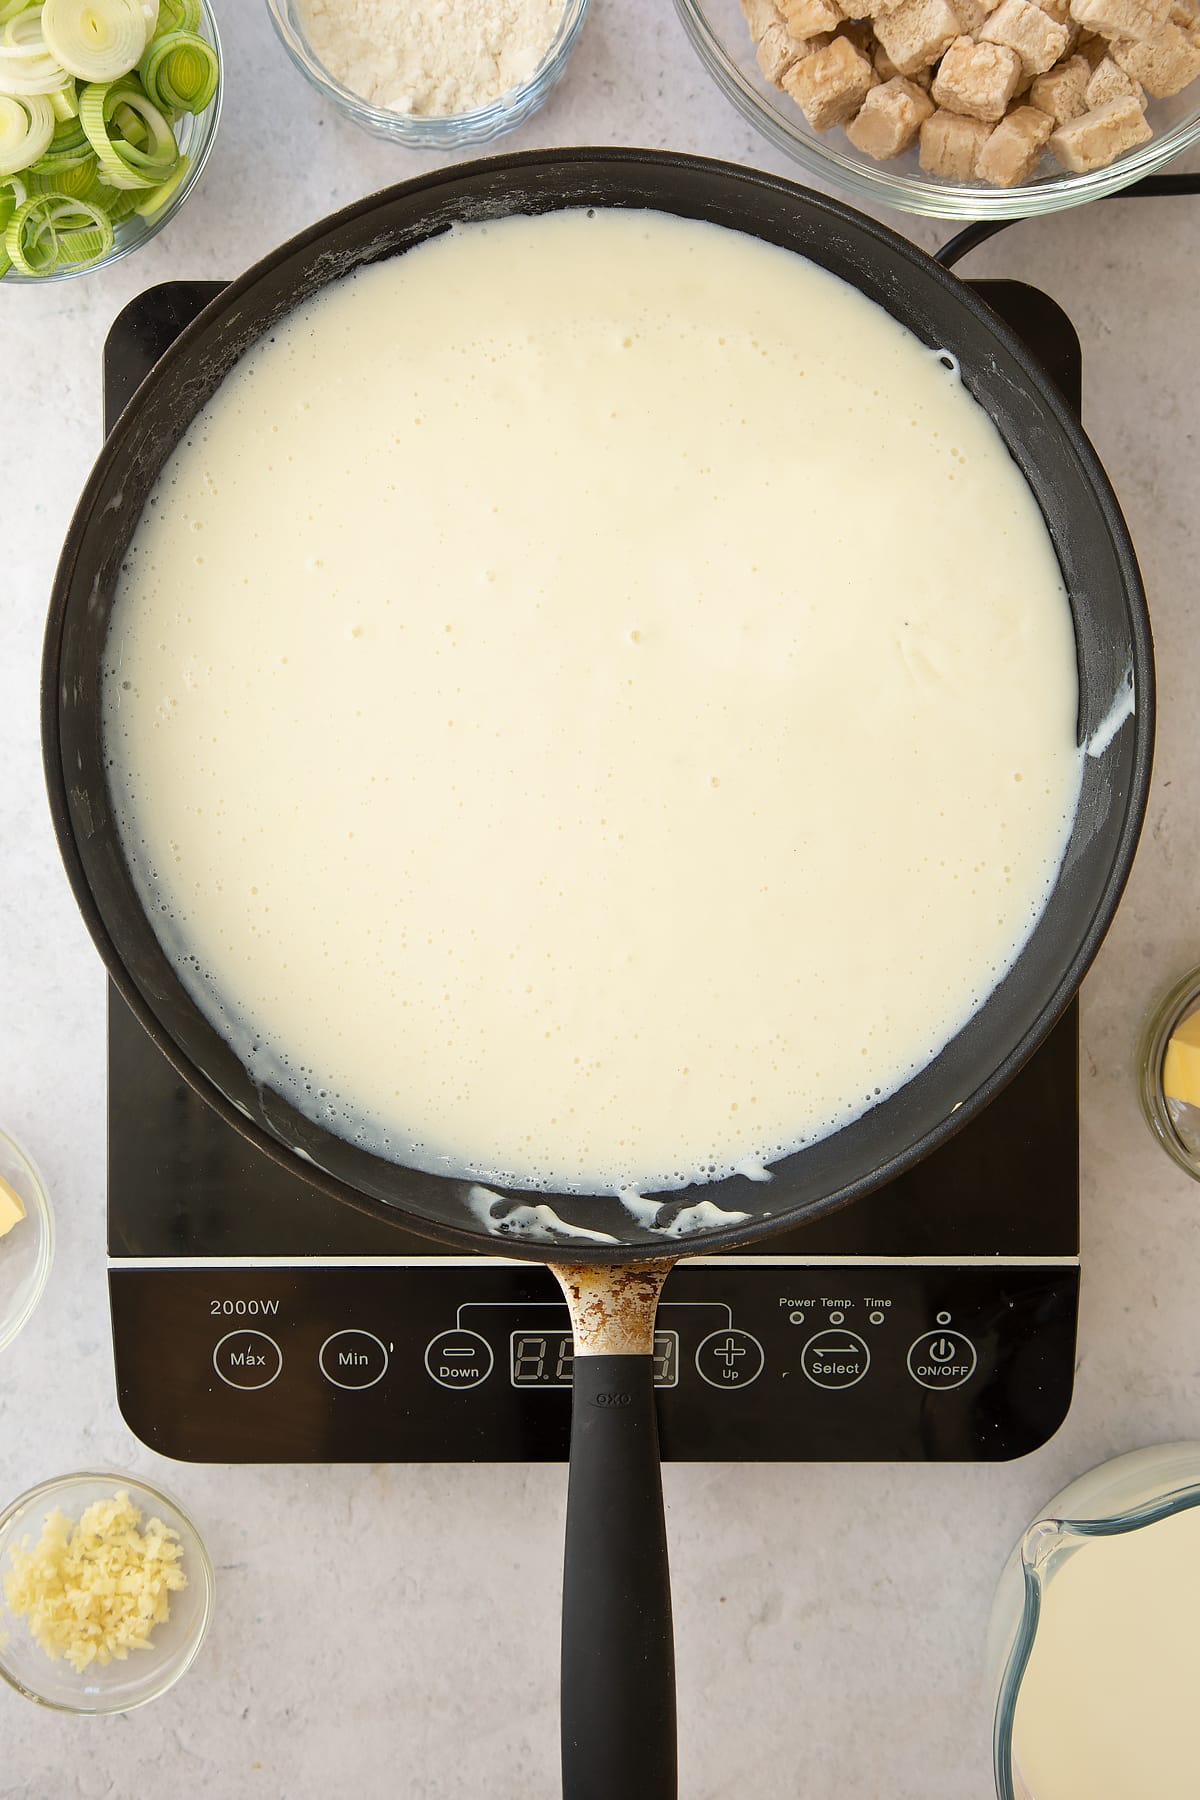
[[433, 57]]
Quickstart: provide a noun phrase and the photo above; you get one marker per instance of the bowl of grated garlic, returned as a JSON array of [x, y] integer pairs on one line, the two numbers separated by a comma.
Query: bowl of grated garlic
[[434, 78], [106, 1593]]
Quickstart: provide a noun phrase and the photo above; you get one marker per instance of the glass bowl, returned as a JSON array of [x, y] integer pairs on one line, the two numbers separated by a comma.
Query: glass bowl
[[428, 131], [195, 134], [1175, 1124], [721, 37], [26, 1251], [119, 1686], [1133, 1491]]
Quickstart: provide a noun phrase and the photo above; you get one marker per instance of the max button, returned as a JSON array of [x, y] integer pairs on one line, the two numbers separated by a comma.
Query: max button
[[459, 1359], [729, 1358], [942, 1359], [247, 1359]]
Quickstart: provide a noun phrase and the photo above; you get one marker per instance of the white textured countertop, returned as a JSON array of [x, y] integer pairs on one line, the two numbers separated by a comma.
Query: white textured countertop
[[393, 1630]]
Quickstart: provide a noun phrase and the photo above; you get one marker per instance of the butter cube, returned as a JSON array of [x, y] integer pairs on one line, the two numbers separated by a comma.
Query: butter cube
[[1181, 1064], [12, 1209]]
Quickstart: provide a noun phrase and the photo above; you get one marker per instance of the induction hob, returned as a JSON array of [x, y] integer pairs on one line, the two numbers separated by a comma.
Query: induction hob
[[257, 1320]]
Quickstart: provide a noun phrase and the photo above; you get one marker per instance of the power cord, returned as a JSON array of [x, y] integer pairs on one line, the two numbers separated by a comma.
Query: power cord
[[1153, 187]]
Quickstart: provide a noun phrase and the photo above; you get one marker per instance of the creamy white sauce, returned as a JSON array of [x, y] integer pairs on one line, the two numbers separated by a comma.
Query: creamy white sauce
[[1107, 1705], [591, 705]]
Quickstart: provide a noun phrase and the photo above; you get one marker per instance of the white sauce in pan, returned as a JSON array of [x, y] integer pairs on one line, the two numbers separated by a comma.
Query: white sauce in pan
[[591, 704]]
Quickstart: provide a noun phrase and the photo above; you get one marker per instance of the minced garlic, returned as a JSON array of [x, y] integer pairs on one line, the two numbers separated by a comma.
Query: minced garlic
[[95, 1590]]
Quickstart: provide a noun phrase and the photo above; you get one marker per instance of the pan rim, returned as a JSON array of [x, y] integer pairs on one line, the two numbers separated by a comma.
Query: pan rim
[[711, 1238]]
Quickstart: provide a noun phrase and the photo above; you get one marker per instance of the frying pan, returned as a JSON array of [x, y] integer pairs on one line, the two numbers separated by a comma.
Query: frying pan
[[618, 1683]]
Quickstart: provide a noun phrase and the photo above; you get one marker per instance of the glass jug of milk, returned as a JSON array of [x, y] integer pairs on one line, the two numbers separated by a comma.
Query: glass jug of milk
[[1094, 1639]]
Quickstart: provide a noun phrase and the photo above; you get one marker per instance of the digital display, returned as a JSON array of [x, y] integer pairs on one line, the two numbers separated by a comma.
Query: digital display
[[547, 1358]]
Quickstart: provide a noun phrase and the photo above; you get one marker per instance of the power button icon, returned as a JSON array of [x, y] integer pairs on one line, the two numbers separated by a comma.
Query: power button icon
[[939, 1360]]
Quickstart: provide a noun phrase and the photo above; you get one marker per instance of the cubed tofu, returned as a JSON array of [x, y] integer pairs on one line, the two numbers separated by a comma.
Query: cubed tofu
[[872, 9], [1037, 38], [1100, 136], [779, 51], [1122, 18], [890, 118], [805, 18], [977, 80], [760, 15], [1110, 82], [951, 144], [1060, 91], [916, 34], [973, 15], [885, 68], [1015, 148], [1186, 14], [1162, 64], [830, 85]]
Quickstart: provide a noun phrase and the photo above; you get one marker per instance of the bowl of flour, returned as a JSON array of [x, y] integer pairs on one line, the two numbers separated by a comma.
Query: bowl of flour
[[433, 77]]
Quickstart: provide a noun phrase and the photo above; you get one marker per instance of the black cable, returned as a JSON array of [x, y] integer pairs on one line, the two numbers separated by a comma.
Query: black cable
[[1152, 187]]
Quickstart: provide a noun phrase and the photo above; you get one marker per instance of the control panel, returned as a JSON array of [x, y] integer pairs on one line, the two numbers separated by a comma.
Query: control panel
[[754, 1360]]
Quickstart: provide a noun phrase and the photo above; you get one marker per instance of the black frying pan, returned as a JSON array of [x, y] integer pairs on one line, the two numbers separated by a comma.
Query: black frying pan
[[618, 1681]]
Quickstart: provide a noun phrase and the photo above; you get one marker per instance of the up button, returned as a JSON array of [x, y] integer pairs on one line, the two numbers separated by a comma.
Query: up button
[[942, 1359]]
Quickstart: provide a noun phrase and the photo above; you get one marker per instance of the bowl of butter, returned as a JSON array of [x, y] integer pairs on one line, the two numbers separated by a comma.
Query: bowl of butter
[[1169, 1072], [26, 1239]]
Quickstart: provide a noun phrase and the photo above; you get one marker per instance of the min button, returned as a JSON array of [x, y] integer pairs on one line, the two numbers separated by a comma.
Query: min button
[[353, 1359], [942, 1359], [247, 1359]]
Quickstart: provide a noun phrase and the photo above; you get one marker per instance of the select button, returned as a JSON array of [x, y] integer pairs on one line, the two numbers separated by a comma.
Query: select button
[[942, 1359], [247, 1359], [835, 1359], [353, 1359]]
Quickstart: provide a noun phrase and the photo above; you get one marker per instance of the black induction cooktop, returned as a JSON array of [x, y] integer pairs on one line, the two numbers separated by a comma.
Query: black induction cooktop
[[257, 1320]]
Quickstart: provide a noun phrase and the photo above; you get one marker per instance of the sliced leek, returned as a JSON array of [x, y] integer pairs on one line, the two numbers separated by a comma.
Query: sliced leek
[[96, 40], [27, 65], [54, 228], [26, 129], [179, 71], [178, 15], [124, 164], [78, 156]]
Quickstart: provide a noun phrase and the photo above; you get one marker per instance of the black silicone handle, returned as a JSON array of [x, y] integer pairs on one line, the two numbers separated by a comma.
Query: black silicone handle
[[618, 1652]]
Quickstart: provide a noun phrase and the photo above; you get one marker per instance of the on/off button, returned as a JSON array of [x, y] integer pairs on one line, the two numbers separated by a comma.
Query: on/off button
[[942, 1359]]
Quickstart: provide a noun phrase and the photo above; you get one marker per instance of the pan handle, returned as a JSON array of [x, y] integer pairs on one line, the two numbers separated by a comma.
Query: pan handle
[[618, 1655]]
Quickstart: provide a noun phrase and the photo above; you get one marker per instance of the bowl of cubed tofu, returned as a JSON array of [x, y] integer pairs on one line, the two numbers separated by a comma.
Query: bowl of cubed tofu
[[962, 108]]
